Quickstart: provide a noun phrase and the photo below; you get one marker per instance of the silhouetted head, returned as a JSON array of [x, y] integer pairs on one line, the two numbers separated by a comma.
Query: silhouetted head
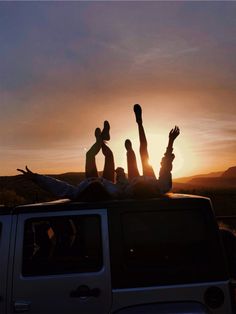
[[95, 191], [120, 174]]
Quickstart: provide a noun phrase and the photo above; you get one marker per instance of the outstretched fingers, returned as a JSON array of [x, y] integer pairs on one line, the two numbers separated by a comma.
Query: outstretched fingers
[[176, 130], [27, 172], [22, 170], [174, 133]]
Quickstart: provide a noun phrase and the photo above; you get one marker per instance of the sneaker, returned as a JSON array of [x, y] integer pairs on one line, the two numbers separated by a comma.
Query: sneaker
[[138, 113], [106, 131], [128, 145], [98, 133]]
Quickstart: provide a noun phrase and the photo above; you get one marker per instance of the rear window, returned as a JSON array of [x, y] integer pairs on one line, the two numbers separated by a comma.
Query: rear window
[[63, 244], [167, 247]]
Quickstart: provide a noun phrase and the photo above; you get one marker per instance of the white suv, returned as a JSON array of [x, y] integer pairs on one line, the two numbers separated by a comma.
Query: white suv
[[126, 257]]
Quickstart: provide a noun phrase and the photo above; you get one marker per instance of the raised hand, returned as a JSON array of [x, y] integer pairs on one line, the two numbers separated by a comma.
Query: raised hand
[[27, 173], [174, 133]]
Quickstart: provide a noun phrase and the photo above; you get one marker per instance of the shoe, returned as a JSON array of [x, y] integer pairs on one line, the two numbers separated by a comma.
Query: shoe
[[106, 131], [138, 113], [98, 133], [128, 145]]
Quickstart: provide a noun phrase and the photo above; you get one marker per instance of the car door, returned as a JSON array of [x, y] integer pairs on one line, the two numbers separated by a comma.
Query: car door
[[61, 263], [5, 234]]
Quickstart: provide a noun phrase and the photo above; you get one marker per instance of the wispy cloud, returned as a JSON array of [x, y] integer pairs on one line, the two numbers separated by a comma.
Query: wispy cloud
[[155, 54], [66, 67]]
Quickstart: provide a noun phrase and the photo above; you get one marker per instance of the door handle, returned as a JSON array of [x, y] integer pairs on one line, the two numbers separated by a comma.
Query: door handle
[[22, 306], [85, 292]]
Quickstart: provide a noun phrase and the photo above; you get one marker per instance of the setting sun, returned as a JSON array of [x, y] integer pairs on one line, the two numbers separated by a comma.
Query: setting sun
[[59, 81]]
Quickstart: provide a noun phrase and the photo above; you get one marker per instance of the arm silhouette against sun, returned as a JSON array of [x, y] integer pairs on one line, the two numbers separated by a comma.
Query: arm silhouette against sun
[[174, 133], [165, 177]]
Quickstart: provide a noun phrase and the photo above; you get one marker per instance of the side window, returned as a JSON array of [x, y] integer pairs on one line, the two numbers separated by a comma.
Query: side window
[[62, 244], [165, 247], [153, 239]]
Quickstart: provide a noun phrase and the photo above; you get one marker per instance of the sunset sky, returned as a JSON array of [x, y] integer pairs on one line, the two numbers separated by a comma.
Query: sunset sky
[[65, 67]]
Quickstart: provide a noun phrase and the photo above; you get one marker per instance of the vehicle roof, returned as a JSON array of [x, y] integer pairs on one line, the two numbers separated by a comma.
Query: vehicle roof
[[177, 201], [5, 210]]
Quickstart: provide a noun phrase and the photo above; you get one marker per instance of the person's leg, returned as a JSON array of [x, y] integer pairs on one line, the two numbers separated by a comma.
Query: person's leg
[[147, 168], [131, 161], [90, 165], [109, 165], [106, 131]]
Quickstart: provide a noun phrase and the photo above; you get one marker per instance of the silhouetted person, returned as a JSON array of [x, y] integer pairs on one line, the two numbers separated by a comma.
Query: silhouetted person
[[93, 187], [100, 144], [148, 185], [131, 161]]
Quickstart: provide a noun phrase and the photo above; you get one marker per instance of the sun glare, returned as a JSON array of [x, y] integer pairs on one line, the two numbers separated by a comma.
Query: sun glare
[[184, 164]]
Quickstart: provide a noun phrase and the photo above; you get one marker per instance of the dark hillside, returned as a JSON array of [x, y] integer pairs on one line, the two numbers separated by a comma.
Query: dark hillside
[[207, 175], [18, 190], [230, 173], [221, 189], [215, 180]]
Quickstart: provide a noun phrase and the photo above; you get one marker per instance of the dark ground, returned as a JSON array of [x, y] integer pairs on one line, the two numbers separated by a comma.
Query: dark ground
[[15, 190]]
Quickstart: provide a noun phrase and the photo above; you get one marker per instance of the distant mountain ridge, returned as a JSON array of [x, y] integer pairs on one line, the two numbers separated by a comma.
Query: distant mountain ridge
[[21, 190], [230, 173], [206, 175], [223, 179]]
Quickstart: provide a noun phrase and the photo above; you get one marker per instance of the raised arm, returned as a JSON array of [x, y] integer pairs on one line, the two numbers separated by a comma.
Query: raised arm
[[165, 177], [57, 187], [174, 133]]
